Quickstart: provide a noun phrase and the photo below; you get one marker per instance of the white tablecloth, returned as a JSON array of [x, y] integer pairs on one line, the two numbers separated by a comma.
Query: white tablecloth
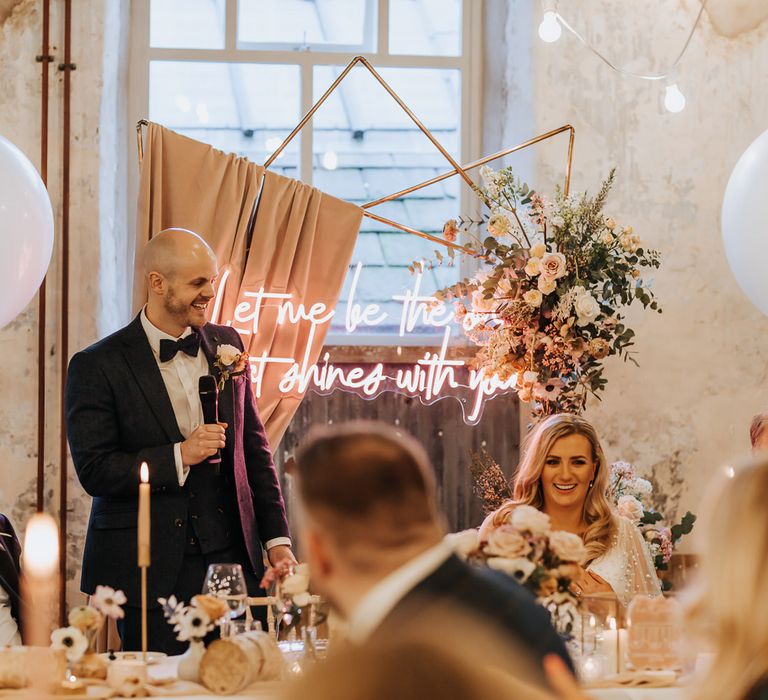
[[638, 693]]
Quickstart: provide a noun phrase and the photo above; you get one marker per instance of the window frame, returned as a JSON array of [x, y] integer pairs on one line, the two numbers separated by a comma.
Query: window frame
[[469, 65]]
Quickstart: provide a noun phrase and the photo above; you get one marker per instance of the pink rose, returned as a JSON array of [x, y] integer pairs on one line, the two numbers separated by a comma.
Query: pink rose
[[528, 518], [567, 546], [505, 541], [553, 265], [630, 508]]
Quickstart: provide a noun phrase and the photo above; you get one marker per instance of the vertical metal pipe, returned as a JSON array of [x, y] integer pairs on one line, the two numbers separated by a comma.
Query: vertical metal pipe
[[41, 298], [67, 67]]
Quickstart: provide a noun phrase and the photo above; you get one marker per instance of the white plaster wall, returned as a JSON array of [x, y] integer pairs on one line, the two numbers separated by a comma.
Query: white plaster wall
[[685, 412]]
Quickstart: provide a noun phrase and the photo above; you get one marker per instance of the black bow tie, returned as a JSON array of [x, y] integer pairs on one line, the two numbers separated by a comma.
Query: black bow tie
[[190, 345]]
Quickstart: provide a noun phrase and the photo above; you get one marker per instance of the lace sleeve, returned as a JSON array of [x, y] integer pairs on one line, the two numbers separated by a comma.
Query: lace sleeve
[[627, 565]]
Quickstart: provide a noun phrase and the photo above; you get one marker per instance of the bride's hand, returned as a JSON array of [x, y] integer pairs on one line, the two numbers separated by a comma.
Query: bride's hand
[[588, 583]]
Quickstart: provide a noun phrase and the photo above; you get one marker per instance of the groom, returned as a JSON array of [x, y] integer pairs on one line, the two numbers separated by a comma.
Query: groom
[[133, 397]]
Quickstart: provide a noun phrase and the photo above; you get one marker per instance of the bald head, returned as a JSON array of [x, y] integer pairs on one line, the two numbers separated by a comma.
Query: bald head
[[173, 248], [180, 269]]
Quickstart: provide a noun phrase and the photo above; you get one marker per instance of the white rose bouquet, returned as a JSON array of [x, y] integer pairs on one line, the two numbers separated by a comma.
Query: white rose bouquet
[[543, 560], [547, 308], [632, 496]]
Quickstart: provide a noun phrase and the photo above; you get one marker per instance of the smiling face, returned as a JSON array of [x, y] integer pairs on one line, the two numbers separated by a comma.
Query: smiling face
[[568, 468], [181, 269]]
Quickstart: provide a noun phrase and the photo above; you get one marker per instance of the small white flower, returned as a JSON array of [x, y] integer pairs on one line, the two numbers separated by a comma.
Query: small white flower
[[642, 486], [520, 569], [587, 309], [530, 519], [294, 584], [533, 267], [192, 623], [71, 641], [302, 599], [227, 354], [530, 377], [463, 543], [533, 297], [499, 225], [108, 601]]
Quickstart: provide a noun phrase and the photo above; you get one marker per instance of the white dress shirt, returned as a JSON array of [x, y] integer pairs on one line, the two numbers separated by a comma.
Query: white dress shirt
[[385, 595], [181, 376]]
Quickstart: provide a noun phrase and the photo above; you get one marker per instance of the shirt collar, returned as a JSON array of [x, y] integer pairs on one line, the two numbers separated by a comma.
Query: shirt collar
[[385, 595], [155, 335]]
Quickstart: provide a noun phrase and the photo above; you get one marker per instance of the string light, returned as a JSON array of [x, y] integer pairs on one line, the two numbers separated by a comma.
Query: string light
[[550, 30]]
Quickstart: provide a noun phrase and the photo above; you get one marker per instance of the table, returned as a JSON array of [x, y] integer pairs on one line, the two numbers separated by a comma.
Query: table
[[638, 693]]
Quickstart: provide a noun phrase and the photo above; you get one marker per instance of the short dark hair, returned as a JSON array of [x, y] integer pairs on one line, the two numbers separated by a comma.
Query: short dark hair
[[367, 472]]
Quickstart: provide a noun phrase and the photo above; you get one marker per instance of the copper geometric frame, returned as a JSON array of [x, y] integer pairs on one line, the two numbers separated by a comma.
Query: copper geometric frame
[[456, 168]]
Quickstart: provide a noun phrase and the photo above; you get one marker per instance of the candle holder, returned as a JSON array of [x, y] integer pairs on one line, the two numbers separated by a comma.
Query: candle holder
[[602, 631]]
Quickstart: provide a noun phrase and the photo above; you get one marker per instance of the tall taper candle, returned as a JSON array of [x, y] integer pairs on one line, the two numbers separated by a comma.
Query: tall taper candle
[[144, 521], [40, 579]]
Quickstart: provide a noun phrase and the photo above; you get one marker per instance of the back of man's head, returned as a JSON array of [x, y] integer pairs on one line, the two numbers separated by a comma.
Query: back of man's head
[[364, 483]]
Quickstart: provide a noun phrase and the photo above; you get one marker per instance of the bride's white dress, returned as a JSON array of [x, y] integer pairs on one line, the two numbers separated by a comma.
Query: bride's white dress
[[627, 565]]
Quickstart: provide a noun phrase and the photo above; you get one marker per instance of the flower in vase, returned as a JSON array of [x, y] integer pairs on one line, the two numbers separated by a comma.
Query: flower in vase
[[71, 641], [192, 623], [214, 607], [108, 601], [85, 618]]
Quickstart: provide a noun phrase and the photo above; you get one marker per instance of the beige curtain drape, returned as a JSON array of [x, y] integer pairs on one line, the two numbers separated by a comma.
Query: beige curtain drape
[[302, 242]]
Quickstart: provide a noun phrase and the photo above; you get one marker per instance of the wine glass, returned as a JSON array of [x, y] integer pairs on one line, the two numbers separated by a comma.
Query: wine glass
[[226, 581]]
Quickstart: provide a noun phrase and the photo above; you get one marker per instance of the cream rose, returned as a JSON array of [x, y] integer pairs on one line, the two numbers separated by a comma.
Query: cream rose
[[533, 297], [499, 225], [530, 519], [587, 309], [463, 543], [533, 267], [539, 250], [520, 569], [553, 265], [506, 541], [546, 284], [630, 508], [567, 546], [606, 237], [227, 354], [610, 223]]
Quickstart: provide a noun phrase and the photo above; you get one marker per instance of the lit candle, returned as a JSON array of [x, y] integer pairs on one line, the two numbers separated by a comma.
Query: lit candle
[[40, 578], [614, 640], [144, 522]]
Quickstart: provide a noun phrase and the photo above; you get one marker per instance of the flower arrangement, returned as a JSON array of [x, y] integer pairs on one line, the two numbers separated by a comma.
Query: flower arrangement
[[290, 585], [631, 494], [192, 622], [79, 638], [547, 308], [231, 362]]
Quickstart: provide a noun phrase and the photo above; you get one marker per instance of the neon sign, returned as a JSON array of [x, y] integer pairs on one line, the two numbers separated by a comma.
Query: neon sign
[[431, 378]]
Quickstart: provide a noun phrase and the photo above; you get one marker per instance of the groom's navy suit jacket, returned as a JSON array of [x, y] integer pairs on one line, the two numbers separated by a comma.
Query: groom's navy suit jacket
[[119, 415]]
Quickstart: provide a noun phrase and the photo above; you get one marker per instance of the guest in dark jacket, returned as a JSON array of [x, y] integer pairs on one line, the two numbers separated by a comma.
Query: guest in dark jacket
[[10, 601], [374, 541]]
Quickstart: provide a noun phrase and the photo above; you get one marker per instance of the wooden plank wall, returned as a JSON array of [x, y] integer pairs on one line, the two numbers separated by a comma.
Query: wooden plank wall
[[439, 427]]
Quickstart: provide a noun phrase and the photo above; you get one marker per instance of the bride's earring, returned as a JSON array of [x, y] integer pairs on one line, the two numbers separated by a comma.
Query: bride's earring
[[591, 482]]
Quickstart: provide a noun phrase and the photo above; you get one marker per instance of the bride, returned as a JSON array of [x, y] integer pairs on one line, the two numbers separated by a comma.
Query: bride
[[564, 474]]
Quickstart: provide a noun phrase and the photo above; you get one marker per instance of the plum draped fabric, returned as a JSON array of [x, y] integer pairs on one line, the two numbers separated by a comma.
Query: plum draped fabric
[[299, 242]]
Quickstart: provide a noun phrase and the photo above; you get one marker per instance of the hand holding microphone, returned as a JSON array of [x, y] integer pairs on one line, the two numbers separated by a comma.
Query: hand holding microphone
[[205, 443]]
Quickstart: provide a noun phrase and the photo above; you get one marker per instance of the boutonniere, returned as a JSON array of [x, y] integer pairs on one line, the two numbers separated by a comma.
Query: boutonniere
[[230, 362]]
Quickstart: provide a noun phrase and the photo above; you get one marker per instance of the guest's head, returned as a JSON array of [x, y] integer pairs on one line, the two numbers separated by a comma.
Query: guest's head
[[180, 269], [369, 505], [758, 435], [563, 468], [733, 586]]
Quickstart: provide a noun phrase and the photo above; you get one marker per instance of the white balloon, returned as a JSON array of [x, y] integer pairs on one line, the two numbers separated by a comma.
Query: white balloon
[[745, 222], [26, 231]]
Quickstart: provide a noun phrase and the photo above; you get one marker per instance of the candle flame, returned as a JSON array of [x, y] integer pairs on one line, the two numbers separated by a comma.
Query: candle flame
[[41, 546], [144, 473]]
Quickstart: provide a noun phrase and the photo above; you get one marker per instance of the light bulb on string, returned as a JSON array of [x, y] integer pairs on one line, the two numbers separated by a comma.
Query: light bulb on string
[[674, 100], [550, 29]]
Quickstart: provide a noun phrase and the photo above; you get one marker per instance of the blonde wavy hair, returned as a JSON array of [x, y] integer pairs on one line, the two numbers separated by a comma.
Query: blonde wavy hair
[[730, 601], [527, 490]]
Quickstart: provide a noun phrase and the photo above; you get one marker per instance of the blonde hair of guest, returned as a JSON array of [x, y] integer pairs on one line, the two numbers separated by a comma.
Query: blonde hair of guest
[[735, 560], [527, 489]]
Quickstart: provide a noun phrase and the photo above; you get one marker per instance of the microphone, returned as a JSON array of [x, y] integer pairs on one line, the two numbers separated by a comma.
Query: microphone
[[209, 399]]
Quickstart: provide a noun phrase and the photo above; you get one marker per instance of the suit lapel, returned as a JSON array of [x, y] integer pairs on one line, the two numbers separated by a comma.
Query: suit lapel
[[143, 365]]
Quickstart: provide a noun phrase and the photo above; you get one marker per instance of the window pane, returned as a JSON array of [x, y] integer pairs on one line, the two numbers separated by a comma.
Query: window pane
[[301, 22], [187, 24], [425, 27], [366, 147], [237, 107]]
